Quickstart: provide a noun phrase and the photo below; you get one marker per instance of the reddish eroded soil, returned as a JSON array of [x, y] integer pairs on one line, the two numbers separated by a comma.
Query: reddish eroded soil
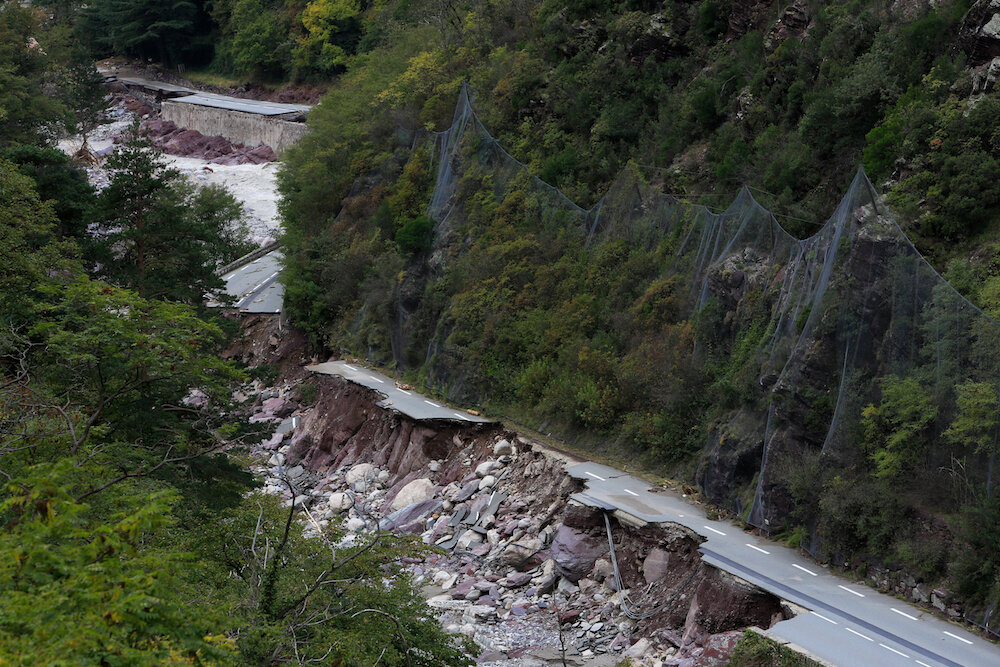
[[192, 143]]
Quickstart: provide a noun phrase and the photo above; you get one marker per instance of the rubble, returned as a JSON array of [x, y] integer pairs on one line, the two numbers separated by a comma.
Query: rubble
[[526, 575]]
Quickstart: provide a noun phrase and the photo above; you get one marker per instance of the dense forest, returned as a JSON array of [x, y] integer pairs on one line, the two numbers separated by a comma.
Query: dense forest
[[127, 537], [533, 206]]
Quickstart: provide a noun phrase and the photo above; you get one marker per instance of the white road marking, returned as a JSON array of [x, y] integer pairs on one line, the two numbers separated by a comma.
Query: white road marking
[[860, 595], [260, 284], [598, 478], [714, 530], [372, 377], [460, 416], [758, 549], [804, 569], [824, 618], [244, 268], [859, 634], [889, 648], [350, 366], [229, 277], [632, 493], [681, 515], [295, 422], [961, 639], [430, 403], [922, 663], [405, 392], [903, 613]]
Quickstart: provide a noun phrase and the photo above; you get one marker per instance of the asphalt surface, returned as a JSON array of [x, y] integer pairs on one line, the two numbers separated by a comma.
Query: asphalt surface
[[848, 624], [258, 107], [405, 401], [256, 285]]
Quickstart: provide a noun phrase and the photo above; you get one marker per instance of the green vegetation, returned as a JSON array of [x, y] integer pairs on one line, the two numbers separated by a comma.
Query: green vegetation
[[126, 536], [590, 324], [159, 235], [754, 650]]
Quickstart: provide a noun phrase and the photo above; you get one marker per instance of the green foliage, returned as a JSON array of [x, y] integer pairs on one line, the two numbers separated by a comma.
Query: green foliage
[[859, 516], [158, 234], [79, 589], [28, 242], [976, 422], [294, 598], [27, 114], [754, 650], [896, 430], [143, 28], [415, 235], [977, 567], [57, 181]]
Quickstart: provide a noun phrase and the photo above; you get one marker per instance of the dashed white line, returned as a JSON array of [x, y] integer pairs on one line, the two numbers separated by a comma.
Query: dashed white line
[[961, 639], [597, 477], [405, 392], [681, 515], [921, 663], [824, 618], [889, 648], [430, 403], [372, 377], [758, 549], [903, 613], [804, 569], [860, 595], [714, 530], [460, 415], [855, 632], [632, 493], [350, 366]]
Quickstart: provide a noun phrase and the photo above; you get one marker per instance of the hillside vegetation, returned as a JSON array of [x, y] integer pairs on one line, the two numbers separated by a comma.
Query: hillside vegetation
[[537, 206], [827, 390], [126, 536]]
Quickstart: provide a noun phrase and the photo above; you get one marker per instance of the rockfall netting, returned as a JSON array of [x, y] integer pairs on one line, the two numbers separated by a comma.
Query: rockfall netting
[[854, 352]]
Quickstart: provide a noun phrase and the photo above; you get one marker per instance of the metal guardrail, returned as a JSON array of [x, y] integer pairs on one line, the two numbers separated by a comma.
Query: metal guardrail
[[249, 257]]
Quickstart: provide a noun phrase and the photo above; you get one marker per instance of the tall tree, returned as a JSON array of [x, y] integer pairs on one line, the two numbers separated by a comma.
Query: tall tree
[[158, 234]]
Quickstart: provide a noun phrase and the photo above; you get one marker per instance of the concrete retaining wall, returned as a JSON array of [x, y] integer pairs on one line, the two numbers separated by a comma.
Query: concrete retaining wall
[[237, 126]]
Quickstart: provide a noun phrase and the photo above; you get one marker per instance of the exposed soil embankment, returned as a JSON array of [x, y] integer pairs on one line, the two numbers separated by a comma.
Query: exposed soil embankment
[[526, 573]]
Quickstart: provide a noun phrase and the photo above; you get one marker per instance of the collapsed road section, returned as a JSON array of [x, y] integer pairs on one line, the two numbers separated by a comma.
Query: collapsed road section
[[533, 577], [849, 623]]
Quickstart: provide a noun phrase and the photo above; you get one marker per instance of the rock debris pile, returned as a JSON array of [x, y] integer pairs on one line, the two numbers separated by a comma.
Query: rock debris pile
[[526, 574]]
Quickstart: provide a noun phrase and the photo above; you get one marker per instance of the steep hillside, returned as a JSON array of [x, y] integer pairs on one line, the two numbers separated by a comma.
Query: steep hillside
[[559, 250]]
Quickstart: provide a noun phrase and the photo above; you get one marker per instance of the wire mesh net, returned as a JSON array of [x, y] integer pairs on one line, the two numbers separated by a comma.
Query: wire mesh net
[[858, 353]]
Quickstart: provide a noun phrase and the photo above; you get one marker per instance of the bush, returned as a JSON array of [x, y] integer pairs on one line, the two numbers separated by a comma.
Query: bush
[[415, 235]]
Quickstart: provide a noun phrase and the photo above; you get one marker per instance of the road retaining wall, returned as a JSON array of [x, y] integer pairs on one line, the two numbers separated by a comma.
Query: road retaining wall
[[237, 126]]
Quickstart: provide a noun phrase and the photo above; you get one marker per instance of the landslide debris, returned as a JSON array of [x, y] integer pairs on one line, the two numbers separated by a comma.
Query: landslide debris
[[523, 571]]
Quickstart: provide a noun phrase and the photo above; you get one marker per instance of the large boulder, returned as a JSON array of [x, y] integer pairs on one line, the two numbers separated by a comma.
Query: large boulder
[[360, 473], [279, 407], [575, 552], [416, 491], [521, 554], [656, 565], [979, 35], [340, 502], [411, 513], [486, 467]]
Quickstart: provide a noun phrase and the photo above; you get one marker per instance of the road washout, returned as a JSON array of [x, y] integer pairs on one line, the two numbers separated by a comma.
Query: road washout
[[524, 572]]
